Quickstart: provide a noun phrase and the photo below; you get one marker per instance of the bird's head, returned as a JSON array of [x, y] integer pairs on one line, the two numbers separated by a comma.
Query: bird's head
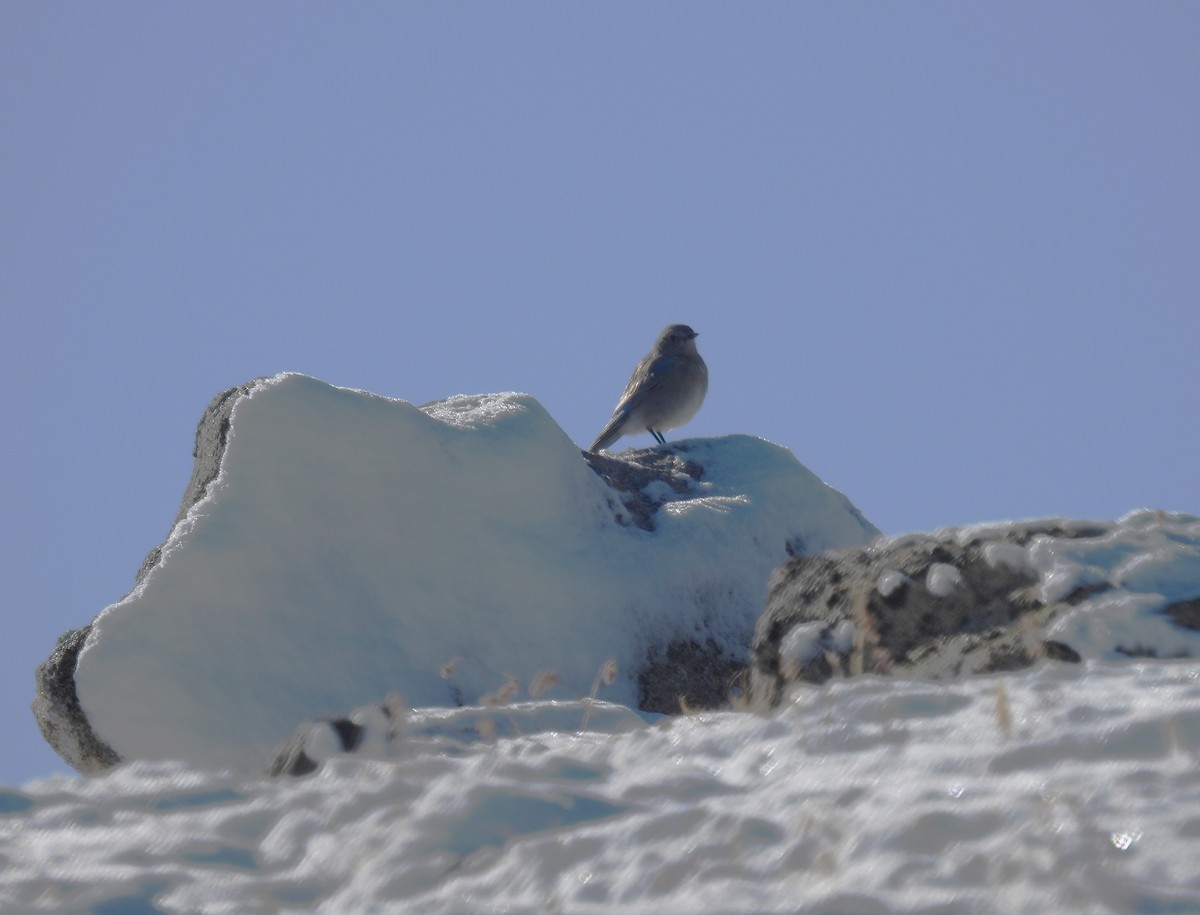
[[677, 338]]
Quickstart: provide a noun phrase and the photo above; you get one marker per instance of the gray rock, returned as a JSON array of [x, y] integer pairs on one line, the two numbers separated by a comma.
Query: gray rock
[[59, 715], [212, 432], [922, 606], [630, 474], [1185, 613], [694, 670], [295, 759], [688, 675]]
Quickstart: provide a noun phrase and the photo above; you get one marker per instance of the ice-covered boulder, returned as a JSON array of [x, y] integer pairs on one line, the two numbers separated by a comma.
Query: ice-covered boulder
[[335, 547], [983, 598]]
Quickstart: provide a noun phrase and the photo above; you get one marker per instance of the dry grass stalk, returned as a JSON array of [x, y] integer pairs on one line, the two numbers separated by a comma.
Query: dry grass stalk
[[1004, 719], [510, 688], [500, 697], [834, 661], [606, 675], [486, 728], [858, 650], [542, 682]]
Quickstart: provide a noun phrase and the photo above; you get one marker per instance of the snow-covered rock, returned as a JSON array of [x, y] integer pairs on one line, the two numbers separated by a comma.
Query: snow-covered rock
[[984, 598], [336, 547]]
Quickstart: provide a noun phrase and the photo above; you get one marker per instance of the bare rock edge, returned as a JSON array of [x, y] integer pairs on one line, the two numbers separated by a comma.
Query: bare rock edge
[[56, 703]]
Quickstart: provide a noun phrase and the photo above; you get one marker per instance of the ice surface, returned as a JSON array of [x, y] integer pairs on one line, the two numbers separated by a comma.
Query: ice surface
[[353, 545], [1064, 788]]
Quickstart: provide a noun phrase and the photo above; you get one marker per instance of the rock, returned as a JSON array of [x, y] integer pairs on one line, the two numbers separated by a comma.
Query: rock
[[59, 715], [212, 434], [1185, 613], [333, 546], [929, 606], [388, 729], [372, 730], [687, 675], [632, 475]]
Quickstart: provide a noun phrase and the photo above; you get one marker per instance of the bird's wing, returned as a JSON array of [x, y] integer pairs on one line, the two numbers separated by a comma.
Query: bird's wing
[[644, 380]]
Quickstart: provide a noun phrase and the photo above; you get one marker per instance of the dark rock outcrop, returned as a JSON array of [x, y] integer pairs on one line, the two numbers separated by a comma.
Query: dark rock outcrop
[[59, 715], [631, 474], [687, 675], [1185, 613]]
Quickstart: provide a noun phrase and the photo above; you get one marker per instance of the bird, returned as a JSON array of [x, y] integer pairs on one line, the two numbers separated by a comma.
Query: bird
[[664, 391]]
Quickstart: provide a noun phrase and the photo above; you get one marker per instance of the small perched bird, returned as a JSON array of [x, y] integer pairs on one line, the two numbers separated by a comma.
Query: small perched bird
[[664, 391]]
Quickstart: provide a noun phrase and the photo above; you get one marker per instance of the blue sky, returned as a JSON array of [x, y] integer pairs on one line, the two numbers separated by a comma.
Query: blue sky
[[946, 253]]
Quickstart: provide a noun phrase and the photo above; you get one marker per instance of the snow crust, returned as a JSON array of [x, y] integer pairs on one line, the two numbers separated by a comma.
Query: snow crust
[[353, 546], [1064, 788]]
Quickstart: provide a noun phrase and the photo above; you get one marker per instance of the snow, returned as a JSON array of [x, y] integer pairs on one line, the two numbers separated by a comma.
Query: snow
[[806, 641], [889, 581], [1063, 788], [943, 579], [802, 643], [1001, 553], [353, 545]]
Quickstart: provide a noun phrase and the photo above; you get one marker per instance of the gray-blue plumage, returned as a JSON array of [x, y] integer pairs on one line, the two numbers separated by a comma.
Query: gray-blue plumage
[[664, 391]]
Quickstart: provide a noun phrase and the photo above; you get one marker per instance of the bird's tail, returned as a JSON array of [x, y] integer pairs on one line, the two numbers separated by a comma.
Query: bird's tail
[[611, 432]]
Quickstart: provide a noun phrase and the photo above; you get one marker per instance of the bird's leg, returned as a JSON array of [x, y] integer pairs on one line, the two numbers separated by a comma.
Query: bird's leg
[[658, 436]]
